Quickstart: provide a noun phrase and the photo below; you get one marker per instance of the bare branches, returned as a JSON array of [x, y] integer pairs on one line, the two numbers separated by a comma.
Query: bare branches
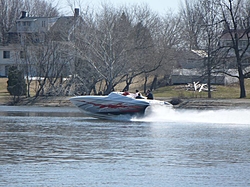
[[114, 45], [238, 33], [33, 8]]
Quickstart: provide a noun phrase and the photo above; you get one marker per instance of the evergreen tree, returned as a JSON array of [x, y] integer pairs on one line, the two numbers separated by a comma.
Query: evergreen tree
[[16, 85]]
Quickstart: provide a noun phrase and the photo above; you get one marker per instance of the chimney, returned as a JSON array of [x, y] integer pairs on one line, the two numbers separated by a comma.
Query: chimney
[[23, 15], [76, 12]]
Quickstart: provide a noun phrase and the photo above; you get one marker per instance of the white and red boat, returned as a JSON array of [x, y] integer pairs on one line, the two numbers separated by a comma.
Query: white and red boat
[[114, 104]]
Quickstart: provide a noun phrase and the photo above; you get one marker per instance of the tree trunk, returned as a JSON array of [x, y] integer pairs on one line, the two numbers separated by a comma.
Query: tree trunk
[[109, 88], [128, 83], [154, 83], [28, 86], [209, 77], [241, 78], [209, 95], [242, 86], [41, 87], [145, 84]]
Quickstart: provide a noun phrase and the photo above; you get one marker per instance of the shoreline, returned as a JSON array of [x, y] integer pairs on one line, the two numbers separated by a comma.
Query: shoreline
[[191, 103], [214, 103]]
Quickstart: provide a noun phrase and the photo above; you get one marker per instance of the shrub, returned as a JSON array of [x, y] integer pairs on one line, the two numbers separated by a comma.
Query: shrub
[[16, 85]]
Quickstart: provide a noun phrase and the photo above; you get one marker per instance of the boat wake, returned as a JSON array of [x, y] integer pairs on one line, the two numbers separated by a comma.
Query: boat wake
[[223, 116]]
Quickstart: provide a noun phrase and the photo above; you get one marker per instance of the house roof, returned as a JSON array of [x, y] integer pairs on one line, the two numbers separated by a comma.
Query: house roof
[[61, 26], [200, 53], [63, 23], [30, 18], [13, 29], [64, 26], [190, 54], [190, 59], [242, 33]]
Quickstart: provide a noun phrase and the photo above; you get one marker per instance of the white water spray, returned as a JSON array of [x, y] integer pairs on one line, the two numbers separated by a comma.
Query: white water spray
[[223, 116]]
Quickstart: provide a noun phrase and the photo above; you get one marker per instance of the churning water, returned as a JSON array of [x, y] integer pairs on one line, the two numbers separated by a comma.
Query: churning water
[[52, 146], [222, 116]]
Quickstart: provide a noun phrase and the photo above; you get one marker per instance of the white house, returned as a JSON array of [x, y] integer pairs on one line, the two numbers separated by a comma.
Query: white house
[[8, 56], [35, 30]]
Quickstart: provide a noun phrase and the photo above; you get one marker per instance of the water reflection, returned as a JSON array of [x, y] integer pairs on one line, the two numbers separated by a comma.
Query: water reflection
[[39, 139], [39, 111]]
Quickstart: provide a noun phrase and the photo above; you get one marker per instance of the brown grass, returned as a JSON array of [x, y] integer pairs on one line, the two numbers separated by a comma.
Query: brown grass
[[221, 92], [3, 87]]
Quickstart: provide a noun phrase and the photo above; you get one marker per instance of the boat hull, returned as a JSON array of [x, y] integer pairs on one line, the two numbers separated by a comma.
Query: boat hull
[[114, 104]]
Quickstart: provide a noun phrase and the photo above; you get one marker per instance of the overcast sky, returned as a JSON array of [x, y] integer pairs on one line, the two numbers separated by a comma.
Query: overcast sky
[[160, 6]]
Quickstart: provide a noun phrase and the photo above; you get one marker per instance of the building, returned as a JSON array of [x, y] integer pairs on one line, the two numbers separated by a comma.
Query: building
[[230, 64], [35, 30], [243, 47], [190, 67]]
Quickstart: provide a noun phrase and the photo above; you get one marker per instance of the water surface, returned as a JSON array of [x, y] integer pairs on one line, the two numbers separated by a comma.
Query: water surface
[[43, 146]]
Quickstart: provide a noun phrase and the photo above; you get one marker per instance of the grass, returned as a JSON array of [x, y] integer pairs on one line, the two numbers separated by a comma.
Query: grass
[[3, 87], [177, 91], [220, 91]]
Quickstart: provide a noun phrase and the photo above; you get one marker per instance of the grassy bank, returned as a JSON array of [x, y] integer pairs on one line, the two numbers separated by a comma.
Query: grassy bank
[[3, 87], [180, 91], [219, 91]]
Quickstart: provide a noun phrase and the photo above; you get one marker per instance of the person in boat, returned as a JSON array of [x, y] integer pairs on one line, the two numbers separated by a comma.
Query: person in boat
[[149, 95], [138, 95], [125, 93]]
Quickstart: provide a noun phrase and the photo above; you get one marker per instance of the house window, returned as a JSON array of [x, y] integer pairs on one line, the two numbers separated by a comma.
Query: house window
[[243, 44], [245, 62], [43, 23], [228, 43], [27, 23], [6, 54], [22, 54]]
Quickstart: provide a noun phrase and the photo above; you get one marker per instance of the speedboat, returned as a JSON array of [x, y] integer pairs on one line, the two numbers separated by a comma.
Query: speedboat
[[114, 104]]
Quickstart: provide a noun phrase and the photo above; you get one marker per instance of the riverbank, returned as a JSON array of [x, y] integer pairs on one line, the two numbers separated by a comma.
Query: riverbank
[[191, 103], [214, 103], [53, 101]]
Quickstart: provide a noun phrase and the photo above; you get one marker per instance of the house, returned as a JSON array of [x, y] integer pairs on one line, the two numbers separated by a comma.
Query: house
[[35, 30], [243, 46], [230, 64], [190, 67], [6, 58]]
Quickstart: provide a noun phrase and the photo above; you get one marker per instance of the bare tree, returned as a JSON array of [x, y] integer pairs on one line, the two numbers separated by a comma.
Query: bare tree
[[143, 56], [235, 17], [191, 19], [167, 41], [118, 45], [9, 12], [26, 46], [40, 8], [153, 38], [50, 63], [211, 30], [104, 45]]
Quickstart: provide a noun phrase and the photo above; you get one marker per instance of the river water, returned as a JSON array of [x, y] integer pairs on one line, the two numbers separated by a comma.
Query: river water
[[43, 146]]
